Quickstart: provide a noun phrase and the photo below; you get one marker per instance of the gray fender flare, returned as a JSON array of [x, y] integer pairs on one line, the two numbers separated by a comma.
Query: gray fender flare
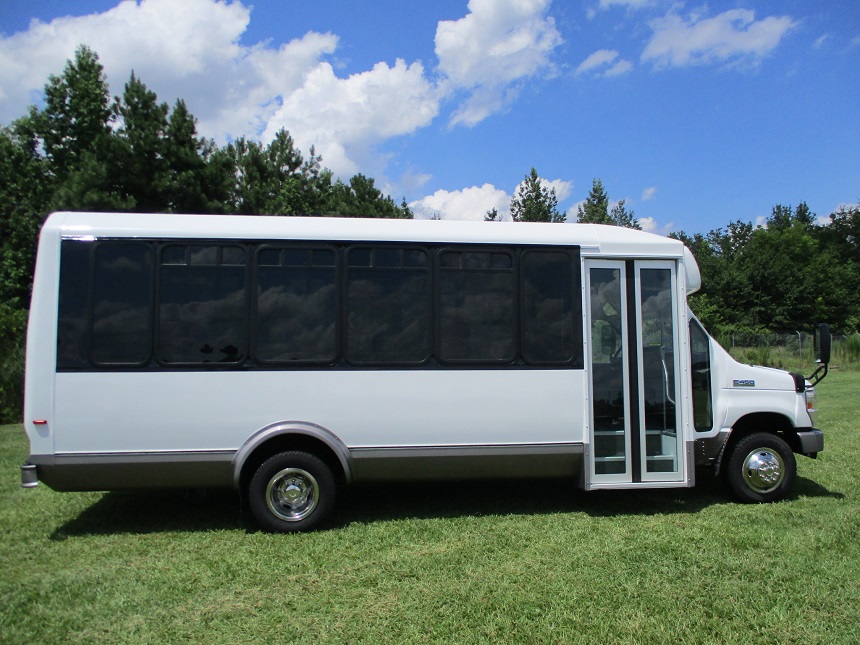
[[280, 428]]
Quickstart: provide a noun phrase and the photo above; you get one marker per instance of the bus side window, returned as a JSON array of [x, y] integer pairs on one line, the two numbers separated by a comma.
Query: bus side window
[[388, 301], [73, 321], [700, 350], [477, 312], [296, 313], [122, 304], [202, 304], [549, 336]]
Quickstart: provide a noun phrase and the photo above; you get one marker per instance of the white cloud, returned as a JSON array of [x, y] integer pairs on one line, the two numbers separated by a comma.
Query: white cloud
[[733, 37], [650, 225], [648, 193], [598, 59], [467, 204], [345, 117], [498, 44], [574, 210], [605, 60], [187, 50], [563, 189], [647, 223], [820, 41], [619, 68], [192, 50]]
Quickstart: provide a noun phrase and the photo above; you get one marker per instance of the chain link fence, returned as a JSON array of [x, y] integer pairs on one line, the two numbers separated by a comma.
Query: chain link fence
[[788, 350]]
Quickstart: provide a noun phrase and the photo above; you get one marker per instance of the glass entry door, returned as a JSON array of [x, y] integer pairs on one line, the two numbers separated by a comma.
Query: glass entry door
[[633, 363], [610, 397], [657, 340]]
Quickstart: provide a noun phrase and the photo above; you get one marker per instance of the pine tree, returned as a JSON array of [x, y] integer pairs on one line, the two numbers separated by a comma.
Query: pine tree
[[76, 115], [535, 203], [361, 198], [620, 216], [141, 139], [190, 187], [595, 210]]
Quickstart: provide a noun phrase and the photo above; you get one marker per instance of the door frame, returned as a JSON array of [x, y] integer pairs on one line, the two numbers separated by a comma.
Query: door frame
[[635, 472], [678, 474]]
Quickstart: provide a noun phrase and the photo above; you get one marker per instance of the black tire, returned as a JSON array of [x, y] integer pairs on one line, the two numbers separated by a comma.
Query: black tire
[[291, 492], [761, 468]]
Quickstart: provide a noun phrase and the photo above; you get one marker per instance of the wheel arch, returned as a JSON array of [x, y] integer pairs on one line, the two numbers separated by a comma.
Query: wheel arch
[[291, 435], [770, 422]]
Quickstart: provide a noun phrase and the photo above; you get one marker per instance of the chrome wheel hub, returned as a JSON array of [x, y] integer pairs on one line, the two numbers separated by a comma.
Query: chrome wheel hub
[[763, 470], [292, 494]]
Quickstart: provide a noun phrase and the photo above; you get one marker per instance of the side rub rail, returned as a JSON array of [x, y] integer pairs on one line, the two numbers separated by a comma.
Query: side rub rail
[[224, 468]]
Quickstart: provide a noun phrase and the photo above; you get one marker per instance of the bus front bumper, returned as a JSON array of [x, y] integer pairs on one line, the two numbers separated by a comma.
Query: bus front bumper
[[811, 442]]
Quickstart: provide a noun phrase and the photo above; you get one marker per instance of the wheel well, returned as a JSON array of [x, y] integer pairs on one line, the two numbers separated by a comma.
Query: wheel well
[[770, 422], [285, 443]]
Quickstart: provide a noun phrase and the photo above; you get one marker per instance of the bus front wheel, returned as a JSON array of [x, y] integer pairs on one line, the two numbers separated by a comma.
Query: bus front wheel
[[291, 492], [761, 468]]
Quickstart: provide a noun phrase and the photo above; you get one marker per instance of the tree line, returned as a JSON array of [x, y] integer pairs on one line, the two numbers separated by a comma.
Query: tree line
[[83, 150], [535, 202], [784, 276]]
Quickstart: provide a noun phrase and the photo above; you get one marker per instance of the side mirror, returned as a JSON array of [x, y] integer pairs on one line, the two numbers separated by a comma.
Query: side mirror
[[822, 344]]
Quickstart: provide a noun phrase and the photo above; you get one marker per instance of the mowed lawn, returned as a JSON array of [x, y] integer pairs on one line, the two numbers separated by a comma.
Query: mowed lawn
[[507, 561]]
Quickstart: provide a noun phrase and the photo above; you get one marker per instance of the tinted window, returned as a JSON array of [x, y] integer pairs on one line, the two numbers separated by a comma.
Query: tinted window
[[296, 305], [122, 303], [125, 303], [477, 307], [388, 306], [700, 350], [548, 313], [73, 323], [201, 309]]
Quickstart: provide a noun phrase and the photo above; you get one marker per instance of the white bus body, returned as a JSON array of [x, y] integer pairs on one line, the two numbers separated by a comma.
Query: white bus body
[[283, 355]]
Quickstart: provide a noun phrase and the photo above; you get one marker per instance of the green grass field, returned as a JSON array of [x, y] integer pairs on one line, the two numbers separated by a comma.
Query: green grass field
[[512, 561]]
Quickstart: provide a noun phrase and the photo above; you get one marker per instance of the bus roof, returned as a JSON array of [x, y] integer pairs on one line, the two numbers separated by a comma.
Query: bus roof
[[592, 239]]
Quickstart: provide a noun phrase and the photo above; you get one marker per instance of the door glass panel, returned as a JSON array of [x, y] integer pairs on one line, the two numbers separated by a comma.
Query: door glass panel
[[658, 371], [607, 372]]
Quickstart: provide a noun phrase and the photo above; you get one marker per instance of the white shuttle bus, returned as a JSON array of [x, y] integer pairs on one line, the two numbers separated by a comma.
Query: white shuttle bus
[[284, 356]]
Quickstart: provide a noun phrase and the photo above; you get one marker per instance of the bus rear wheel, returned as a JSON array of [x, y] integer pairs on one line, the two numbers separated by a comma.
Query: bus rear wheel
[[291, 492], [761, 468]]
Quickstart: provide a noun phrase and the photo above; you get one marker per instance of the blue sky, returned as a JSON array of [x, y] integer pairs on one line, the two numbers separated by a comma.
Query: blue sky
[[696, 114]]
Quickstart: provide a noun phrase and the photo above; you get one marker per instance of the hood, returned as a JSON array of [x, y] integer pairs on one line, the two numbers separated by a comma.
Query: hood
[[755, 377]]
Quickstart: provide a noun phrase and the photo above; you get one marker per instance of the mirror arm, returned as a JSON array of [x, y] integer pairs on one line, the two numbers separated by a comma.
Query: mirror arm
[[817, 375]]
